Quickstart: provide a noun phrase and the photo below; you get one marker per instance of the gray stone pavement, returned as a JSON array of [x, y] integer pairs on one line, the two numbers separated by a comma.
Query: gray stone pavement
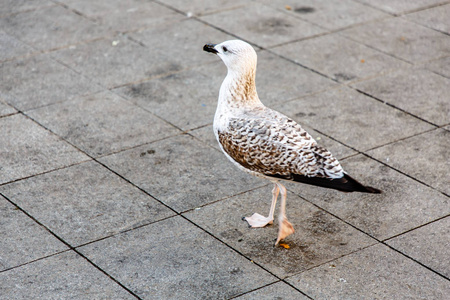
[[112, 185]]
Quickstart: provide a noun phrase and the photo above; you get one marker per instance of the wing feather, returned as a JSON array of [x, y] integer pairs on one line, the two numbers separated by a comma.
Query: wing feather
[[282, 148]]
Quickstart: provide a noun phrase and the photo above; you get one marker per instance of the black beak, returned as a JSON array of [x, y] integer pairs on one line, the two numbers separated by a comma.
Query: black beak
[[210, 48]]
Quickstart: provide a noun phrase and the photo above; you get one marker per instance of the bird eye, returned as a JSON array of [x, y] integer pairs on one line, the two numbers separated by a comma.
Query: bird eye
[[224, 49]]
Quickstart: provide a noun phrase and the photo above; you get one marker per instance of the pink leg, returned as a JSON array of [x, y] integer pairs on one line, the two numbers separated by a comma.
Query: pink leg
[[257, 220], [285, 227]]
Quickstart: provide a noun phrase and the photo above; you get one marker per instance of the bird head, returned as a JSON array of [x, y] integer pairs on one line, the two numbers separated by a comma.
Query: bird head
[[237, 55]]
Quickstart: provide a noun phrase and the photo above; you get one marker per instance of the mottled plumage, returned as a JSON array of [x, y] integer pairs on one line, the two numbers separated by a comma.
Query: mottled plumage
[[266, 143]]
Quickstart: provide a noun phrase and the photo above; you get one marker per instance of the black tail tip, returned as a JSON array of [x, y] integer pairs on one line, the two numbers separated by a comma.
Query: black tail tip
[[372, 190]]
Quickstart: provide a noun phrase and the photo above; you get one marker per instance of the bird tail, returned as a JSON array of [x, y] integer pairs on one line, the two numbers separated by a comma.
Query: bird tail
[[354, 186], [344, 184]]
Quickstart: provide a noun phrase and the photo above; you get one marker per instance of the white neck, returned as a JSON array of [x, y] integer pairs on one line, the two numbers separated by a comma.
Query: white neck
[[237, 93], [238, 89]]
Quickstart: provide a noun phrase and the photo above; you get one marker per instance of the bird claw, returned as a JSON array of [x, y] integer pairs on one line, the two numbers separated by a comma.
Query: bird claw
[[256, 220], [285, 229]]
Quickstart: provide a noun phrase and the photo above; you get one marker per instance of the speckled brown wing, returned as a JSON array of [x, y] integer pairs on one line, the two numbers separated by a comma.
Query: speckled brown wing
[[279, 149], [283, 150]]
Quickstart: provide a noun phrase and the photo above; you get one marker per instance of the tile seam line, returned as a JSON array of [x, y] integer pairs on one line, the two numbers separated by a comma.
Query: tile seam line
[[253, 290], [9, 115], [224, 198], [405, 12], [72, 248], [419, 9], [45, 172], [212, 12], [34, 260], [57, 102], [375, 8], [96, 158], [123, 231], [376, 49], [393, 106], [416, 261], [181, 131], [404, 17], [405, 174], [270, 50], [375, 238], [260, 288], [11, 14], [334, 259], [377, 19], [75, 11], [418, 227]]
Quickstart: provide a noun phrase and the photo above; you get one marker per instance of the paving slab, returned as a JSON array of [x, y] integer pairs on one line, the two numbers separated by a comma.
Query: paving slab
[[339, 58], [262, 25], [84, 203], [11, 47], [23, 240], [38, 81], [174, 259], [182, 42], [206, 135], [435, 18], [51, 27], [102, 123], [114, 61], [424, 157], [36, 151], [181, 172], [401, 7], [14, 6], [187, 99], [403, 205], [411, 90], [440, 66], [278, 80], [332, 15], [63, 276], [428, 244], [376, 272], [120, 60], [123, 16], [203, 7], [276, 291], [319, 237], [353, 118], [401, 38]]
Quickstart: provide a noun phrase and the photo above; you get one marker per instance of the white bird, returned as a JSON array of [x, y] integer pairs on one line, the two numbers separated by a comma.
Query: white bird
[[266, 143]]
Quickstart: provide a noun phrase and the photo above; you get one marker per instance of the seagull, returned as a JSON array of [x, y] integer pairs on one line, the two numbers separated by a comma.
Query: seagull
[[266, 143]]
